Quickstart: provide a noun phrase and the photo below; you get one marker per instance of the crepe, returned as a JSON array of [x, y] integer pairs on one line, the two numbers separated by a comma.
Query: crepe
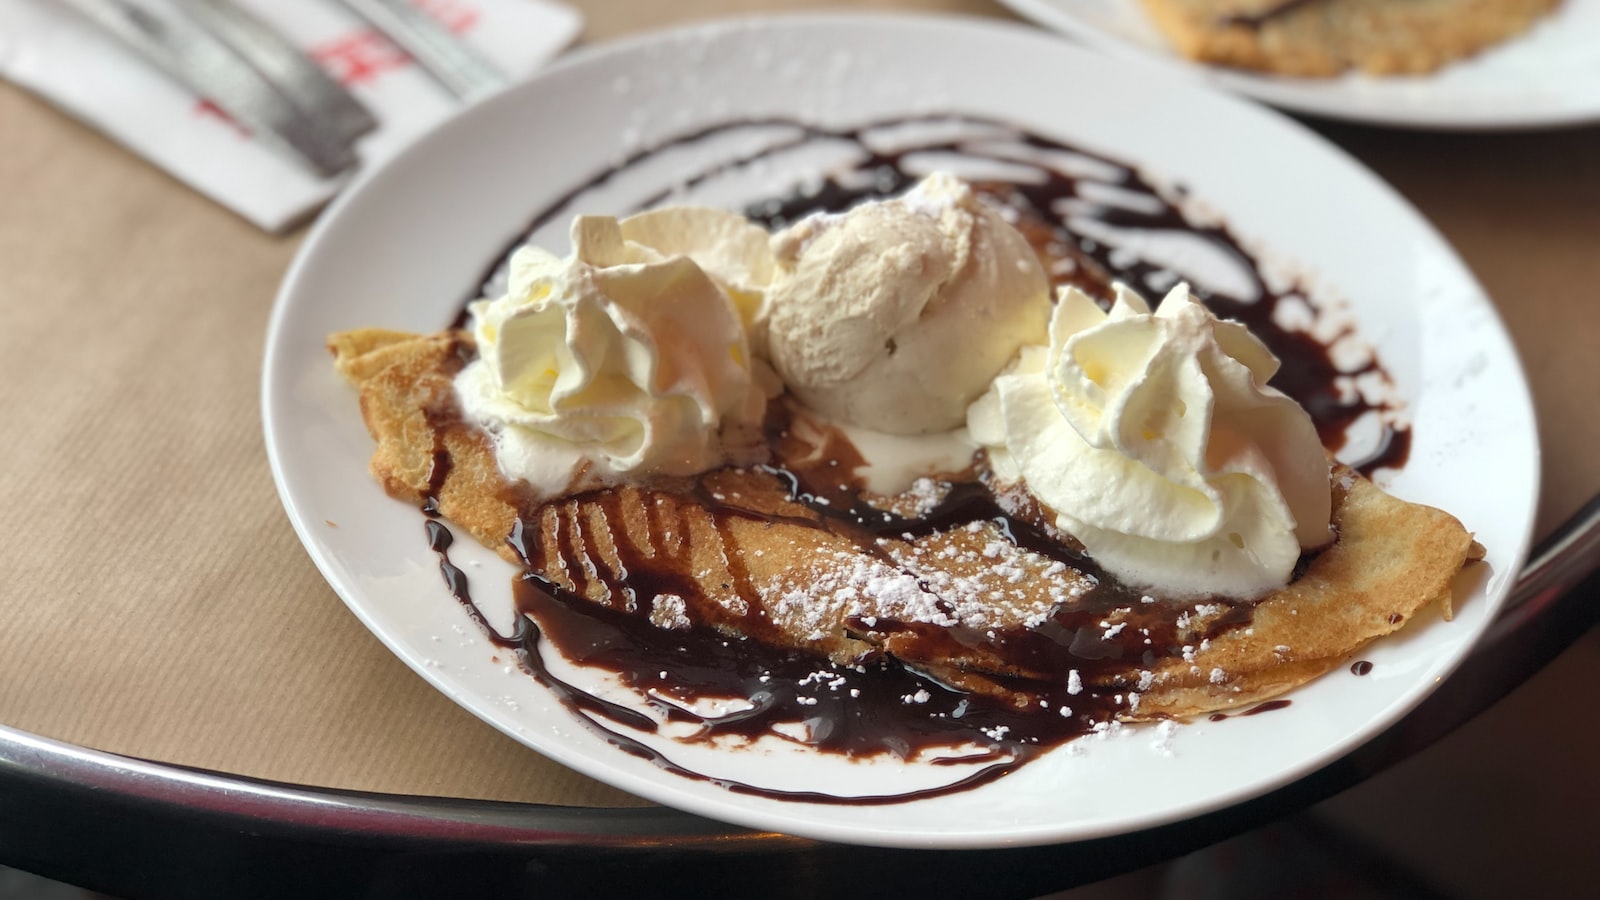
[[1322, 38], [782, 579]]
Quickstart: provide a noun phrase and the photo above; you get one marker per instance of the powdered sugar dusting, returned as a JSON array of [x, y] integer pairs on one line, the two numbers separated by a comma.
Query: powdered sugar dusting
[[975, 578], [669, 611]]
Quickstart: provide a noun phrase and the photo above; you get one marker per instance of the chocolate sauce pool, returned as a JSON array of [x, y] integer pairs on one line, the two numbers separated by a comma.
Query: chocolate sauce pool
[[881, 706]]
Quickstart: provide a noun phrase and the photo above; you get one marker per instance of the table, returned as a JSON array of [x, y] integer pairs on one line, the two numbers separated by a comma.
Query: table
[[160, 607]]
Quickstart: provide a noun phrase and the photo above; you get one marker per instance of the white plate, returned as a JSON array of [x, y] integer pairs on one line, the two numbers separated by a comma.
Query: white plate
[[1549, 76], [404, 244]]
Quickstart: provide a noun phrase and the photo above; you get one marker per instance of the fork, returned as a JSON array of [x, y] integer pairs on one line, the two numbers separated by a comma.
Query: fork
[[265, 83]]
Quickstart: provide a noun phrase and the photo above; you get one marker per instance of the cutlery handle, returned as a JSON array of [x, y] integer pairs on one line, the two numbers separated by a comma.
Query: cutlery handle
[[303, 81], [451, 62], [184, 49]]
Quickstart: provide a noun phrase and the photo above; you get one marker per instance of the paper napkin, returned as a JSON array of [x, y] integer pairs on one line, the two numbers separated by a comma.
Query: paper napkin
[[48, 49]]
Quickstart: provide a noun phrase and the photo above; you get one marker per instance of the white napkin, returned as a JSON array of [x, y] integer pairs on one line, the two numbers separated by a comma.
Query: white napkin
[[53, 52]]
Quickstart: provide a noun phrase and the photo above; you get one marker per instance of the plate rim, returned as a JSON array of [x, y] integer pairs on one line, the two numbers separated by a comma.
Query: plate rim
[[270, 399]]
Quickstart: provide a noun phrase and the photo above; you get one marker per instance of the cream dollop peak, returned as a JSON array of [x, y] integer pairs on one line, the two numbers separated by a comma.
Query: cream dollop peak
[[622, 359], [1156, 441]]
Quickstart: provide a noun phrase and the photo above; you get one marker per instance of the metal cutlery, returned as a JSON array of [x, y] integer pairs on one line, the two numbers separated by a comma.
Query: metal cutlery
[[261, 80], [452, 63], [194, 54]]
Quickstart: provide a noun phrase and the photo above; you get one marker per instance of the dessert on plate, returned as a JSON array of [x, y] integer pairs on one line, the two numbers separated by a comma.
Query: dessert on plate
[[1321, 38], [873, 449]]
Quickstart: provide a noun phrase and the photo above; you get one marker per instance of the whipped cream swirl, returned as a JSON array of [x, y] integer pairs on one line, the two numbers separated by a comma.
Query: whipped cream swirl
[[1156, 442], [618, 361]]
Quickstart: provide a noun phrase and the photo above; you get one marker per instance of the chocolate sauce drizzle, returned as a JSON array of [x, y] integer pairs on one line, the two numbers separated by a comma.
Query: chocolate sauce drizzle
[[881, 706], [884, 706], [1263, 16]]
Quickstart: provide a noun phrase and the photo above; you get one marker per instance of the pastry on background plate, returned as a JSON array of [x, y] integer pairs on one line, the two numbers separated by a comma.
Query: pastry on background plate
[[1322, 38]]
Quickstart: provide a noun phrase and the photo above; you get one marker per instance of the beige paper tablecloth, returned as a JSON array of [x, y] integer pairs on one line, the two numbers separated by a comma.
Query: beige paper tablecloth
[[155, 600]]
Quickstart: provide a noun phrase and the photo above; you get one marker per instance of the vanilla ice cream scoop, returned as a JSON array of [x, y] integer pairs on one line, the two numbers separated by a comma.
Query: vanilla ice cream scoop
[[1156, 441], [616, 362], [895, 315]]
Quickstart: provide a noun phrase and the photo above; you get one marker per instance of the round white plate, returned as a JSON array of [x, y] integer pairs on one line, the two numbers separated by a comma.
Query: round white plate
[[407, 241], [1547, 77]]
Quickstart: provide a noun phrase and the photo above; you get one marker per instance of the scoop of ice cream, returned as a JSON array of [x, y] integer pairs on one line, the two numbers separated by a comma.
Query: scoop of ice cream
[[616, 361], [896, 315], [1156, 442]]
